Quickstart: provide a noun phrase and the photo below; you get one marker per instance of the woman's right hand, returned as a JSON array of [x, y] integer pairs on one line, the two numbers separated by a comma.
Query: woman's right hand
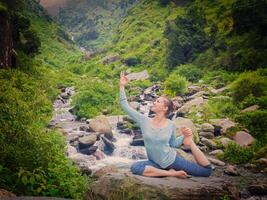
[[123, 79]]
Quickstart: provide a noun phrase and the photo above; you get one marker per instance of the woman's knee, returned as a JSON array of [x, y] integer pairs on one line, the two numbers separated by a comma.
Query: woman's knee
[[138, 168]]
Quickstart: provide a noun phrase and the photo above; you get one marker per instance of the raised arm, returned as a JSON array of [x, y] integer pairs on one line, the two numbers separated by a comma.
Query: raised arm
[[176, 141], [136, 116]]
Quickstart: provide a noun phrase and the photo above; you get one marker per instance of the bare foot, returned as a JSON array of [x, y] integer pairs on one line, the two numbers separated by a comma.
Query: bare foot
[[188, 140], [179, 174]]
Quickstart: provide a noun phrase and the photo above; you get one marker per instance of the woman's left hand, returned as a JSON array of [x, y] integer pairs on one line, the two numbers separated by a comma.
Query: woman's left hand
[[186, 131]]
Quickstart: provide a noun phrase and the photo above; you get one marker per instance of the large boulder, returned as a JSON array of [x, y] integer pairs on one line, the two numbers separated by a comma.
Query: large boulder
[[100, 124], [125, 185], [243, 138], [184, 122]]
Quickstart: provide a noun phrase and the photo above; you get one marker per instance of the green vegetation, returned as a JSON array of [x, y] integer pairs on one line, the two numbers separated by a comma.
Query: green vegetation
[[236, 154], [191, 72], [249, 83], [175, 85]]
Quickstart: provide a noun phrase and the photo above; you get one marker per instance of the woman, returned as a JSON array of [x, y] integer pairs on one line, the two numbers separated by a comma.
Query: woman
[[159, 134]]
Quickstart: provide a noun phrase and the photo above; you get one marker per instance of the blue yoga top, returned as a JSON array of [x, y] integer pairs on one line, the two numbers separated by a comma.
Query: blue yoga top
[[159, 142]]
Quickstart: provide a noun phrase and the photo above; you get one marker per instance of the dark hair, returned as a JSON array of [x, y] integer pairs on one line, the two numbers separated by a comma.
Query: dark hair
[[169, 104]]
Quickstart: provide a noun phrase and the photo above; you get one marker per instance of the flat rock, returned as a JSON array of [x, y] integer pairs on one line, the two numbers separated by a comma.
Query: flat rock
[[124, 184]]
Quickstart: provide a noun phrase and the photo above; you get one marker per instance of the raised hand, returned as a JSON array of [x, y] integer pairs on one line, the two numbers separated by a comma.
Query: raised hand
[[123, 79]]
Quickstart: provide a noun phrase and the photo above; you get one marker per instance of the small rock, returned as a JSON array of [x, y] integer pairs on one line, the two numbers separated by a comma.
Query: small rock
[[100, 124], [243, 138], [231, 170], [89, 151], [105, 170], [84, 128], [208, 135], [216, 152], [206, 127], [138, 76], [209, 143], [250, 108], [225, 141], [216, 161], [138, 142], [108, 143], [87, 141], [197, 102], [224, 124]]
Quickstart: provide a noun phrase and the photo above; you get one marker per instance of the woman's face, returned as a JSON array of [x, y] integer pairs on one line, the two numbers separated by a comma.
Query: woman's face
[[159, 105]]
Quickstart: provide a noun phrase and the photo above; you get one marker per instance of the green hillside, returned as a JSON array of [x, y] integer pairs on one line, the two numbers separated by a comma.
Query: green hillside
[[32, 157], [91, 22]]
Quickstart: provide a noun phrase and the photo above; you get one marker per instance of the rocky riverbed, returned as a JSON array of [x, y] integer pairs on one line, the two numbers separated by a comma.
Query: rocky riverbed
[[106, 146]]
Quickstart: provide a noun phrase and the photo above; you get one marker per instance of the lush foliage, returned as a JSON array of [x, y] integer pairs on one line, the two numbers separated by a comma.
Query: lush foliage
[[249, 83], [175, 84], [236, 154], [93, 97], [256, 122], [191, 72]]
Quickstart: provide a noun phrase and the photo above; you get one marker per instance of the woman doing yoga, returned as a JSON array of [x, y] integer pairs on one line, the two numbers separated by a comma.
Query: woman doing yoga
[[159, 134]]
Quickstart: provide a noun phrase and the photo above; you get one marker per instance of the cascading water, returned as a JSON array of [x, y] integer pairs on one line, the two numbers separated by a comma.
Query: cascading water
[[123, 155]]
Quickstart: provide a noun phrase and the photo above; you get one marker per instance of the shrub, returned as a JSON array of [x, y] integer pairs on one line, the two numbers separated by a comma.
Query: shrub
[[32, 159], [218, 78], [191, 72], [236, 154], [249, 83], [256, 122], [175, 84], [94, 95], [220, 108]]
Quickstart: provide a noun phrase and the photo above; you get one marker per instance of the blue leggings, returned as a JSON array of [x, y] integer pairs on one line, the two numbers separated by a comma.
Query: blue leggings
[[180, 163]]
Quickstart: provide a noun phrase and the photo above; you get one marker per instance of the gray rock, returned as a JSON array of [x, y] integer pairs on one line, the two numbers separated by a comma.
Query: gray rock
[[231, 170], [250, 108], [197, 102], [209, 143], [225, 141], [216, 161], [112, 186], [87, 141], [100, 124], [138, 76], [108, 142], [208, 135], [206, 127], [224, 124], [216, 152], [138, 142]]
